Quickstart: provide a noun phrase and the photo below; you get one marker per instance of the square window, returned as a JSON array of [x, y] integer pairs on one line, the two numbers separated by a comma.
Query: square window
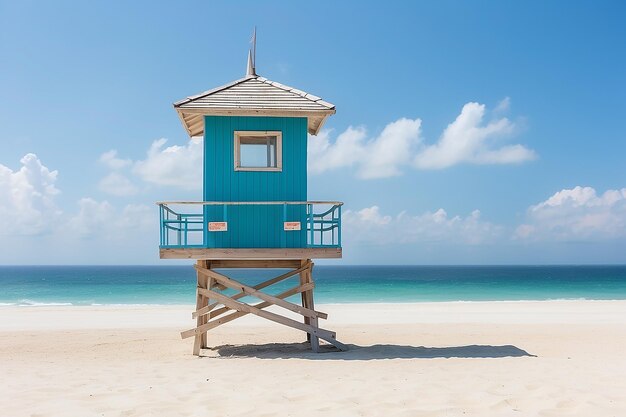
[[258, 151]]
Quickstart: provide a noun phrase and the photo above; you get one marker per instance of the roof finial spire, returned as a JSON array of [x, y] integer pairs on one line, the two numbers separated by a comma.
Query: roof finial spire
[[250, 72], [252, 56]]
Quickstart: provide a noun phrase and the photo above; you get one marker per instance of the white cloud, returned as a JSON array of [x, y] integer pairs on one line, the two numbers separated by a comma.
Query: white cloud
[[577, 214], [139, 217], [100, 219], [346, 151], [470, 140], [368, 215], [391, 149], [111, 160], [379, 157], [503, 106], [178, 166], [370, 226], [117, 184], [27, 198], [92, 218]]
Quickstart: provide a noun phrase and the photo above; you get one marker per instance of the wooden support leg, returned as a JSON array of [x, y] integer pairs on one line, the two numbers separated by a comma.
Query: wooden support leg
[[305, 303], [210, 285], [200, 341], [308, 297]]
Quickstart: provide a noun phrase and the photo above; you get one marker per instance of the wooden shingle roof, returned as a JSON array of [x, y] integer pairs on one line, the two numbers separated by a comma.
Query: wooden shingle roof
[[253, 96]]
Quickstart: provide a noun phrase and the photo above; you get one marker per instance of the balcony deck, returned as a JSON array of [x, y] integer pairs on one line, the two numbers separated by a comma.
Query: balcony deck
[[249, 254], [211, 230]]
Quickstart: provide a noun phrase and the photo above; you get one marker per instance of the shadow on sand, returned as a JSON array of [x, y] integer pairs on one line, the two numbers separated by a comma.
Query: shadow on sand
[[303, 351]]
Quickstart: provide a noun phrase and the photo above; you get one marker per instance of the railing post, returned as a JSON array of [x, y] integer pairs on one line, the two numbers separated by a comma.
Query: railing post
[[332, 225], [322, 231], [311, 225], [160, 225], [283, 235], [204, 227], [186, 231], [178, 218], [339, 228], [225, 217], [166, 229]]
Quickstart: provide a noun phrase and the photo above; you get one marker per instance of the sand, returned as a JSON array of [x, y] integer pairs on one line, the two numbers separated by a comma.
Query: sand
[[552, 358]]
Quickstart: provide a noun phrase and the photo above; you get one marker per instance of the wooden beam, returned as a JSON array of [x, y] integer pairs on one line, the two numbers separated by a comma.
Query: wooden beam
[[304, 299], [290, 292], [255, 263], [260, 286], [202, 282], [264, 253], [236, 285], [239, 306], [308, 275], [217, 322]]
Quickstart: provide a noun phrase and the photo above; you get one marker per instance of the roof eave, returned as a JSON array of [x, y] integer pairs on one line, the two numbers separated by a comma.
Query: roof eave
[[319, 126], [183, 121], [309, 114]]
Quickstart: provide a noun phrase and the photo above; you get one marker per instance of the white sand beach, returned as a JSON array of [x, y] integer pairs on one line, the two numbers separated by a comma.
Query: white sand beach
[[551, 358]]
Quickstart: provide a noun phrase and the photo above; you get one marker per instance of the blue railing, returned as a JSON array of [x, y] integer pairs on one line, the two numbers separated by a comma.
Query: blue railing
[[187, 227], [180, 229]]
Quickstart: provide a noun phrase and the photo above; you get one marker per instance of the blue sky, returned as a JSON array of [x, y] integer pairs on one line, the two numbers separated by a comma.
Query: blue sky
[[506, 119]]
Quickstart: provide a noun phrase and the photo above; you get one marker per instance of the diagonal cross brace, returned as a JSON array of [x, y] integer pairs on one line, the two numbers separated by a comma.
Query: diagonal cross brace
[[236, 314], [239, 306], [236, 285], [210, 307], [282, 296]]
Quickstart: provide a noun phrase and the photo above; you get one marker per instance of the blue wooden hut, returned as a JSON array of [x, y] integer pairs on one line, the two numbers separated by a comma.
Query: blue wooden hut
[[255, 212]]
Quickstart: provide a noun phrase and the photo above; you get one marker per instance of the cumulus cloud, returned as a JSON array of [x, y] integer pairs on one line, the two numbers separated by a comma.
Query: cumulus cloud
[[577, 214], [379, 157], [503, 106], [138, 217], [111, 160], [469, 139], [179, 166], [100, 219], [176, 166], [92, 217], [27, 198], [345, 151], [117, 184], [368, 225]]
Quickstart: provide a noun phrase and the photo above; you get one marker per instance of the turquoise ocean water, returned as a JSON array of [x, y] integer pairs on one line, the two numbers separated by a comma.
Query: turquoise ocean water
[[95, 285]]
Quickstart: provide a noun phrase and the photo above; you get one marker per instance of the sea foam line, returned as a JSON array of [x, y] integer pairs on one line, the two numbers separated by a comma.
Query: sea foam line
[[31, 303]]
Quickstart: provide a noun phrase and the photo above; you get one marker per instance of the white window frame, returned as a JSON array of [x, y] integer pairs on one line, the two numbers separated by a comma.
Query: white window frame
[[279, 149]]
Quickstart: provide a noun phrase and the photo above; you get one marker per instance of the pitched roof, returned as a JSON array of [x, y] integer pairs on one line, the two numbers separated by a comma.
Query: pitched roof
[[253, 95]]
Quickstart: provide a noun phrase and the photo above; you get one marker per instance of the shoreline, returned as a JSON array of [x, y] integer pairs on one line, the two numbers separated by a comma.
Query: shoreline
[[75, 317], [347, 303]]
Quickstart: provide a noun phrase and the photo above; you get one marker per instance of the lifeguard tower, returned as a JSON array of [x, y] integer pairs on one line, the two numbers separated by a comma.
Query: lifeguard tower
[[255, 212]]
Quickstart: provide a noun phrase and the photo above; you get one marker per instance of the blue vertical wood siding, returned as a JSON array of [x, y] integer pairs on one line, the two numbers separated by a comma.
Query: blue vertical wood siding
[[254, 226]]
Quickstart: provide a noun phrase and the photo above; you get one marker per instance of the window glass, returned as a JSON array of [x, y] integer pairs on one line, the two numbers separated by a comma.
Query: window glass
[[257, 151]]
